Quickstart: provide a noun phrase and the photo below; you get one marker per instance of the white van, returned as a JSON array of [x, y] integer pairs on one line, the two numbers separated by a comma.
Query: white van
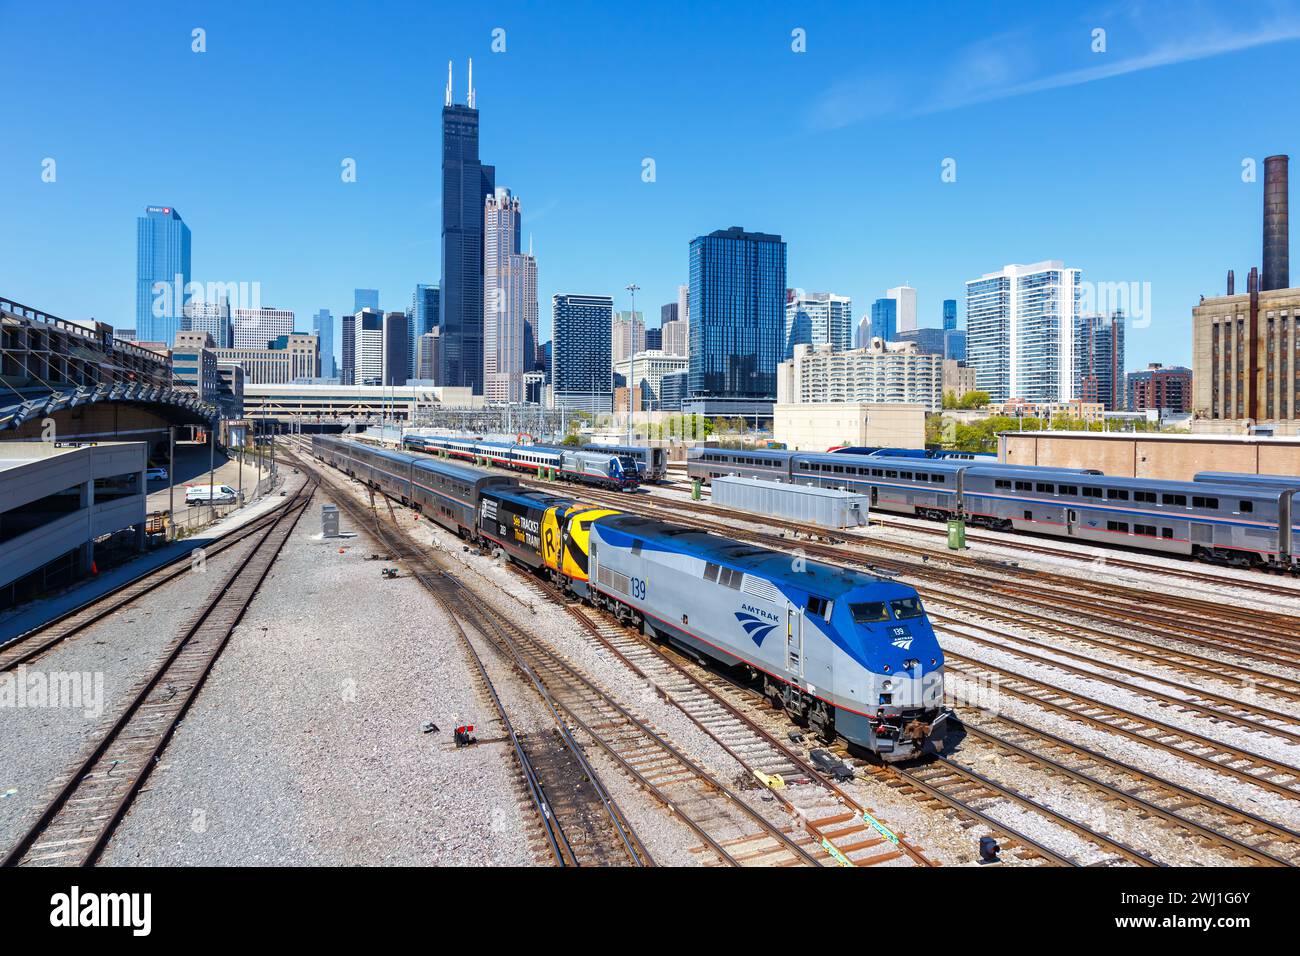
[[210, 495]]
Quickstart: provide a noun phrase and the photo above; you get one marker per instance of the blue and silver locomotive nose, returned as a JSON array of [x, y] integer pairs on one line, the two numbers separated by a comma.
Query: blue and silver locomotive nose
[[897, 705]]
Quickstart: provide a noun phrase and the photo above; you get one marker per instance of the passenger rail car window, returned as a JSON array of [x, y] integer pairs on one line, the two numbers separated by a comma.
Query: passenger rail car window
[[906, 608], [1211, 504]]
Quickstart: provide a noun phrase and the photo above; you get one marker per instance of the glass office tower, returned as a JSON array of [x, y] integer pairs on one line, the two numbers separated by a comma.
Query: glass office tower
[[737, 296], [162, 272]]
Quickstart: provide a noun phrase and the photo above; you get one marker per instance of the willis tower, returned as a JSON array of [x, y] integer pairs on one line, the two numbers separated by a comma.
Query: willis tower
[[466, 184]]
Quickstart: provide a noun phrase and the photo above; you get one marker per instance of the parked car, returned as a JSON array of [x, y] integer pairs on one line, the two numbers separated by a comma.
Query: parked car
[[155, 474], [210, 495]]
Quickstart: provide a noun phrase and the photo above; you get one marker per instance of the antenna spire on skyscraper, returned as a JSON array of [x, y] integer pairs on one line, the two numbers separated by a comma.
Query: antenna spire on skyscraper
[[470, 100], [448, 99]]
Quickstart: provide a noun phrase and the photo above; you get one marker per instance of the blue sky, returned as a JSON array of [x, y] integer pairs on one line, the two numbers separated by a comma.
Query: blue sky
[[1125, 163]]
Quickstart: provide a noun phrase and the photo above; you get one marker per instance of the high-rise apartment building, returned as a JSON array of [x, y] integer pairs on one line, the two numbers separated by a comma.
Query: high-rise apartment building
[[737, 313], [466, 185], [581, 353], [817, 318], [254, 328], [886, 372], [1020, 327], [322, 323], [1099, 360], [162, 273], [509, 302]]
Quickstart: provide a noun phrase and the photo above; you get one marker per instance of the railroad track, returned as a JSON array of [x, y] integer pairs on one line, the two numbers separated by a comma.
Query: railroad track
[[1259, 837], [82, 813], [1256, 769], [848, 831], [26, 647], [577, 821], [1154, 612], [1188, 574], [731, 830], [1244, 836], [1200, 702], [1221, 708]]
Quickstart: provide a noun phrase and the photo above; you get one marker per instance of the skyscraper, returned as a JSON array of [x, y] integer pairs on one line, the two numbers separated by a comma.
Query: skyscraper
[[162, 273], [212, 318], [466, 185], [397, 349], [348, 350], [509, 301], [627, 336], [364, 299], [322, 323], [817, 318], [421, 319], [253, 328], [737, 309], [1099, 360], [905, 296], [368, 348], [884, 320], [581, 370], [949, 314], [1020, 329]]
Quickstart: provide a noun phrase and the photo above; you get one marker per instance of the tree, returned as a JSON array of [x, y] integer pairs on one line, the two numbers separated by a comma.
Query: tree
[[572, 440]]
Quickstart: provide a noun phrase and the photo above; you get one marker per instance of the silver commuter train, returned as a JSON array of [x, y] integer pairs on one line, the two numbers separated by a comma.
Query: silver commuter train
[[1251, 526]]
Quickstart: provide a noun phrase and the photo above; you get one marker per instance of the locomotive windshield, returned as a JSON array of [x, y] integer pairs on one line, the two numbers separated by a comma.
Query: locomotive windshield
[[905, 608], [869, 612]]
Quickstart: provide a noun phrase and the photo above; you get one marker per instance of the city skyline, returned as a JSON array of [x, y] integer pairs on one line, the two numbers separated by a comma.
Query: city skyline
[[1134, 198]]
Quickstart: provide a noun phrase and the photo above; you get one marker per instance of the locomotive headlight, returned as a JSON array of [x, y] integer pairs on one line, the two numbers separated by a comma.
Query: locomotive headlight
[[934, 662], [886, 685]]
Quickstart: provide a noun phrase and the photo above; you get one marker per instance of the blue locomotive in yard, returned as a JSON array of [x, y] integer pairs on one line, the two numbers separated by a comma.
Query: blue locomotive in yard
[[843, 652], [1242, 521]]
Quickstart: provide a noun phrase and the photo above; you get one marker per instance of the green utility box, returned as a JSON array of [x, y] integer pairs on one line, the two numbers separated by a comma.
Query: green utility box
[[957, 534], [695, 489]]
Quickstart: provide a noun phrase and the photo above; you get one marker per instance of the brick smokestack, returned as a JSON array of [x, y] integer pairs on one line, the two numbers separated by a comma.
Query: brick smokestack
[[1277, 258]]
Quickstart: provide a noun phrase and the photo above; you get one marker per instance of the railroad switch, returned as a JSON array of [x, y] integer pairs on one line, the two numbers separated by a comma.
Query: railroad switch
[[465, 736], [389, 573]]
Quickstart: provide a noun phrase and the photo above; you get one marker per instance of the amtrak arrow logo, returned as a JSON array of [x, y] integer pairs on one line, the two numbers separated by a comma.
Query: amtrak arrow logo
[[902, 638], [756, 628]]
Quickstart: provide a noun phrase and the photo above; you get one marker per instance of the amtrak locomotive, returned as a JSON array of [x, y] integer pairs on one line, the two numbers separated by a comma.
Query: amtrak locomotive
[[1246, 521], [841, 651]]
